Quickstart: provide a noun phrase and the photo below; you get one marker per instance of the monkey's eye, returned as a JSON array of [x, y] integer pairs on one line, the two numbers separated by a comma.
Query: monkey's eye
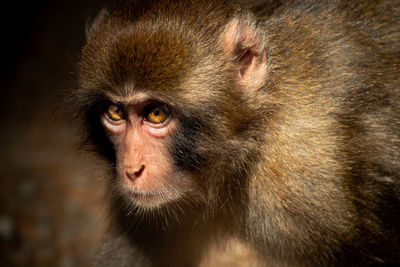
[[156, 113], [114, 113]]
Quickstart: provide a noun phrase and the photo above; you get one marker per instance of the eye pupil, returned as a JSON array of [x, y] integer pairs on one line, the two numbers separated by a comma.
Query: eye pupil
[[114, 113], [156, 113]]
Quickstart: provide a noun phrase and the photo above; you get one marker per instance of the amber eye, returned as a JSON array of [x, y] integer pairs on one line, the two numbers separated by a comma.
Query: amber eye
[[156, 114], [115, 113]]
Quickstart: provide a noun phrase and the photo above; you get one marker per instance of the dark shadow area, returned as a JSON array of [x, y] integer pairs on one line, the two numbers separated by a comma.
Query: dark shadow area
[[51, 198]]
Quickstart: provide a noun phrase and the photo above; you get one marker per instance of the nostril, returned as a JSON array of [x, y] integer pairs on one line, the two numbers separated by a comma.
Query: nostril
[[140, 171], [134, 175]]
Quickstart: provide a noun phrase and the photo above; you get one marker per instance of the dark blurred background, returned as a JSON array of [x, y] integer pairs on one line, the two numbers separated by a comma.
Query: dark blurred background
[[51, 201]]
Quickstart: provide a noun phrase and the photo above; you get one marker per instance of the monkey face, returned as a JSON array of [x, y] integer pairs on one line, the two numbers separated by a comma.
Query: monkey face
[[140, 130]]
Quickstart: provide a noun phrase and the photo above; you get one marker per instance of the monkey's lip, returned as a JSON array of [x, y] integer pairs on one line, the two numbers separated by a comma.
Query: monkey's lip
[[149, 198], [144, 195]]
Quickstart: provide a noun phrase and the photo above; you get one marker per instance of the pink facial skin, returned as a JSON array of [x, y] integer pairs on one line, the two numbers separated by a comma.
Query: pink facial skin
[[143, 165]]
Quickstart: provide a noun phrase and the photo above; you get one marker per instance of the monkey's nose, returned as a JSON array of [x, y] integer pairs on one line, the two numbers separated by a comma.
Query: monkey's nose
[[134, 175]]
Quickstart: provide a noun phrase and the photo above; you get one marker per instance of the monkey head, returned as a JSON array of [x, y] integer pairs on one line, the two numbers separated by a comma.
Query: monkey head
[[173, 106]]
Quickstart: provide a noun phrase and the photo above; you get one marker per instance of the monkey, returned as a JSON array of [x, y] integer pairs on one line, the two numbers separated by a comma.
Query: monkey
[[279, 129]]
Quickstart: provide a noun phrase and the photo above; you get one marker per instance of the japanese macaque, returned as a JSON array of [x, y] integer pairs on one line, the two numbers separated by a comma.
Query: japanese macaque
[[278, 129]]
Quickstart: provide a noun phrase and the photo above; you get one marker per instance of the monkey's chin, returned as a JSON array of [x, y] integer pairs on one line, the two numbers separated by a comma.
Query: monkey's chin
[[151, 199]]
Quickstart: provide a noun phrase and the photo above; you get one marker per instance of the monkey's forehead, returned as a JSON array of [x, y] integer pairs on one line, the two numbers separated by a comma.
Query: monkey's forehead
[[147, 58], [153, 57], [158, 63], [150, 58]]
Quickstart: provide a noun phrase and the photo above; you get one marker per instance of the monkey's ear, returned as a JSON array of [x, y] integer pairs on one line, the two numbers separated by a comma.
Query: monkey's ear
[[92, 26], [247, 48]]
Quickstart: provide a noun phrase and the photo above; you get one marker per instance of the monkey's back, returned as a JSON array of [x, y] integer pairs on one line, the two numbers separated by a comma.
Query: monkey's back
[[335, 78]]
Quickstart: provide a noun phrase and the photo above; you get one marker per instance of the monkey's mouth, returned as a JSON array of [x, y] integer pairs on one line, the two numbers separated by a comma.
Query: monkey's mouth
[[145, 195], [151, 198]]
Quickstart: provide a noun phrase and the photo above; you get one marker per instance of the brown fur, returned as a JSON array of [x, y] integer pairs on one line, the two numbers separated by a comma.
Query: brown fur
[[289, 126]]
